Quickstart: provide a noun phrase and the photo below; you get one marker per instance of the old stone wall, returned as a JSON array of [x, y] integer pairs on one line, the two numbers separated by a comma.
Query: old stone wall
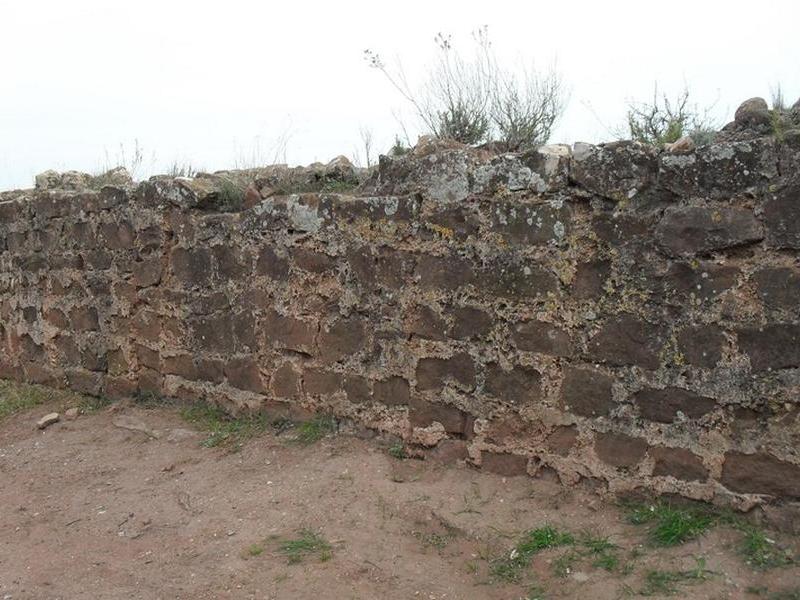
[[610, 314]]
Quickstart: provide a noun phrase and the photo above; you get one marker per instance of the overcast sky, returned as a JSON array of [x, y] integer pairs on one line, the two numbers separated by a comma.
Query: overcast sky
[[220, 83]]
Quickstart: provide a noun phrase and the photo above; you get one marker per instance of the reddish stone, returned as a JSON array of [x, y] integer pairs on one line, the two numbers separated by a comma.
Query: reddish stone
[[285, 381], [318, 382], [357, 389], [424, 322], [393, 391], [244, 373], [84, 318], [663, 405], [619, 450], [542, 337], [760, 474], [678, 463], [448, 451], [587, 392], [774, 346], [341, 339], [147, 357], [191, 266], [289, 332], [181, 365], [590, 279], [147, 272], [507, 465], [423, 414], [272, 265], [562, 439], [519, 385], [117, 236], [309, 260], [701, 345], [627, 340], [469, 323], [56, 318], [433, 373]]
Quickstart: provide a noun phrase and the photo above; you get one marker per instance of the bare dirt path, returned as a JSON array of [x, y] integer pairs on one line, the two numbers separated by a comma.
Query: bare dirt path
[[103, 508]]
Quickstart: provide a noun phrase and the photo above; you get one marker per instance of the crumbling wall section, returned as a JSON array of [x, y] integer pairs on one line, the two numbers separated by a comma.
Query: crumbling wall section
[[611, 314]]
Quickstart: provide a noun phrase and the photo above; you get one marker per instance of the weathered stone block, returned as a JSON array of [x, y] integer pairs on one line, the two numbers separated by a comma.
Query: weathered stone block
[[512, 277], [782, 217], [469, 323], [701, 345], [117, 236], [147, 272], [341, 339], [618, 171], [562, 439], [393, 391], [691, 230], [318, 382], [214, 334], [285, 382], [760, 474], [244, 373], [542, 337], [271, 265], [774, 346], [530, 224], [664, 405], [448, 272], [191, 266], [84, 318], [778, 287], [423, 414], [357, 389], [424, 322], [312, 261], [289, 332], [507, 465], [587, 392], [231, 264], [590, 279], [434, 373], [519, 385], [619, 450], [627, 340], [678, 463]]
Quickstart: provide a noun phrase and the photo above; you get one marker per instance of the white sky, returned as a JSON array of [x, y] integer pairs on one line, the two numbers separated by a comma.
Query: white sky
[[212, 83]]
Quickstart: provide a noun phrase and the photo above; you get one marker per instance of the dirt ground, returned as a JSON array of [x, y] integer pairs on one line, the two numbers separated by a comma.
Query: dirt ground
[[99, 508]]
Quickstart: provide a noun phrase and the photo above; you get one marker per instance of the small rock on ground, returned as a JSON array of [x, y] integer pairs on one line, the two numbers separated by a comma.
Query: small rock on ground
[[47, 420]]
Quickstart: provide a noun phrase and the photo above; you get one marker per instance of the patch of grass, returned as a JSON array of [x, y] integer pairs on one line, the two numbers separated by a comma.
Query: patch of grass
[[433, 540], [16, 397], [564, 564], [306, 544], [254, 550], [672, 525], [510, 568], [223, 429], [762, 552], [398, 451], [666, 582], [150, 400], [310, 432], [230, 196], [792, 594]]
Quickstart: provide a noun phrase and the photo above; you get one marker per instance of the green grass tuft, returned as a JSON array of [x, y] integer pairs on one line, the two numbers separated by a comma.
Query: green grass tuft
[[671, 525], [761, 552], [310, 432], [307, 543], [398, 451], [510, 568], [666, 582], [223, 429]]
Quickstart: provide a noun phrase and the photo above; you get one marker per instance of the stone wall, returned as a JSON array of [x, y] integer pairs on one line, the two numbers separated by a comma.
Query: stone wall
[[609, 314]]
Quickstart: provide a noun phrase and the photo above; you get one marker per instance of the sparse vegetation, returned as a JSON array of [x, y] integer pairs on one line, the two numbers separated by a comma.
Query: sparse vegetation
[[224, 430], [762, 552], [666, 583], [230, 196], [398, 451], [510, 568], [473, 100], [664, 120], [306, 544], [16, 397], [671, 525], [310, 432]]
